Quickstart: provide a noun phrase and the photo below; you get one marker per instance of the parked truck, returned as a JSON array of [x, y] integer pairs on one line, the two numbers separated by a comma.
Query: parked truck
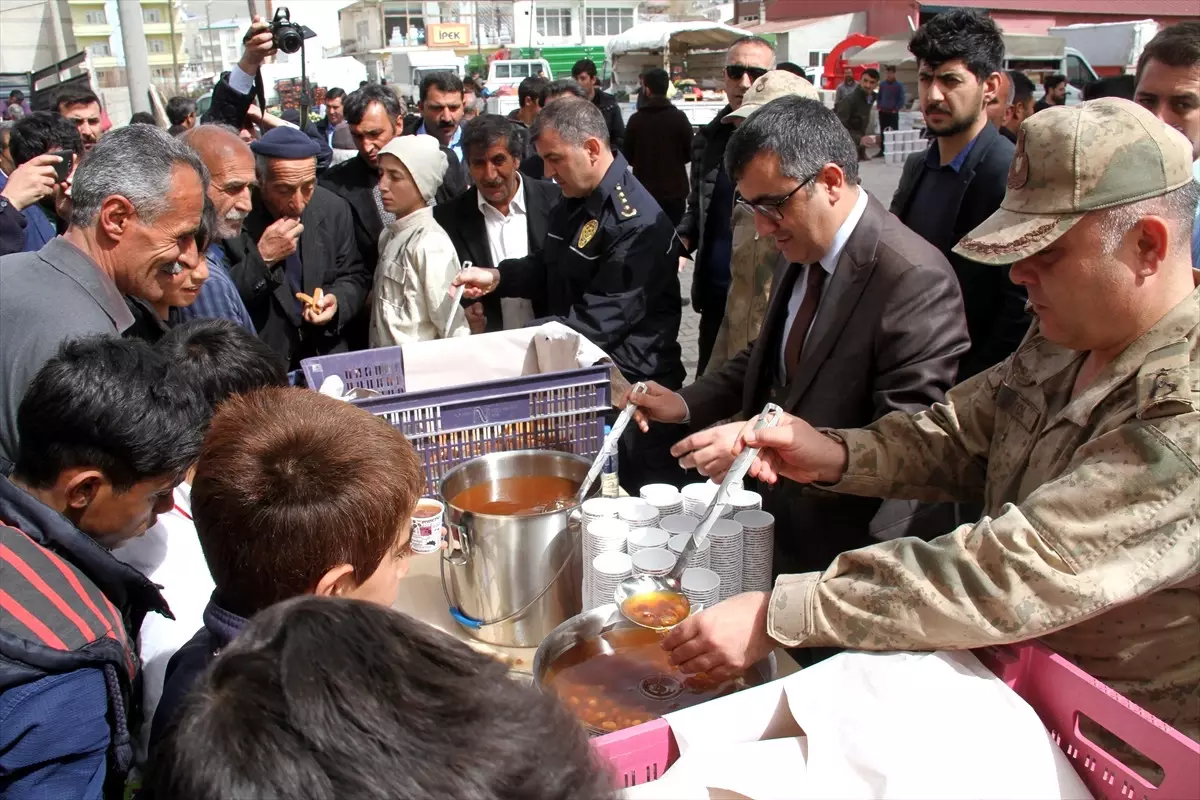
[[410, 66], [1112, 48]]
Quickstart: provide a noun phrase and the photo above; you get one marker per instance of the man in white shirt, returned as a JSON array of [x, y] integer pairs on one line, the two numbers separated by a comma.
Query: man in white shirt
[[866, 318], [504, 215], [221, 359]]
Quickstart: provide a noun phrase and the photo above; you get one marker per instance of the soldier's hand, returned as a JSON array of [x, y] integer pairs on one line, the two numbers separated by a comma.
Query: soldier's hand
[[477, 280], [793, 450], [709, 452], [657, 404], [258, 45], [725, 640], [279, 240], [32, 181]]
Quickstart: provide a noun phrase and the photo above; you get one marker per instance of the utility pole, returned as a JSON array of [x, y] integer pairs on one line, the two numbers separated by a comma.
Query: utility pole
[[174, 49], [211, 50], [137, 59]]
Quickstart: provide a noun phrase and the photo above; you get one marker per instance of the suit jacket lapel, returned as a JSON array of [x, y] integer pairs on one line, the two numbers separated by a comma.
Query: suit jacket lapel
[[839, 299], [474, 230], [765, 355]]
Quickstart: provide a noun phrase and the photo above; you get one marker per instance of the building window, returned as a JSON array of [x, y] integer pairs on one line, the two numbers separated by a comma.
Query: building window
[[100, 49], [816, 58], [608, 21], [554, 21], [156, 46], [152, 15], [97, 17], [404, 23]]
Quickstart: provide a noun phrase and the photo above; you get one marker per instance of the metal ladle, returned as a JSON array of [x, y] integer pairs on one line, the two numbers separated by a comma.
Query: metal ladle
[[670, 583], [607, 449]]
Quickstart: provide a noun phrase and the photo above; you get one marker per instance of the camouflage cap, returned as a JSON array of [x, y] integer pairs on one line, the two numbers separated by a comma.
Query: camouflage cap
[[1072, 160], [773, 85]]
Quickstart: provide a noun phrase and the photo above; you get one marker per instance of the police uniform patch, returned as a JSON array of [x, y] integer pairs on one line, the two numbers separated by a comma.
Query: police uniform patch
[[588, 232]]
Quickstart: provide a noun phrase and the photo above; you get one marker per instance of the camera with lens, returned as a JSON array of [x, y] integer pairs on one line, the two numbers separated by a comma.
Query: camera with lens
[[289, 36]]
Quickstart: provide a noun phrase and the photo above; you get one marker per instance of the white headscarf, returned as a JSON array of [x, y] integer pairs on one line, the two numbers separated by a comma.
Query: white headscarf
[[422, 156]]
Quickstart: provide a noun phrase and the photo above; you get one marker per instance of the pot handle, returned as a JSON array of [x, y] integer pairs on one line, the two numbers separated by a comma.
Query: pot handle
[[458, 544], [574, 526]]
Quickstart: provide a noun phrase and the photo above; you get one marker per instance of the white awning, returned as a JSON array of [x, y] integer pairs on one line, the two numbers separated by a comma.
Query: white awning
[[680, 37]]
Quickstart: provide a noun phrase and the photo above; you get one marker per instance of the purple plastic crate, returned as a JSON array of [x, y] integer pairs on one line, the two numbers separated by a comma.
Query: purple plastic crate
[[556, 411], [381, 369]]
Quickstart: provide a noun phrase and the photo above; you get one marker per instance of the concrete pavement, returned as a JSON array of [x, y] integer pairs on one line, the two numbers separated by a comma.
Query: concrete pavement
[[880, 179]]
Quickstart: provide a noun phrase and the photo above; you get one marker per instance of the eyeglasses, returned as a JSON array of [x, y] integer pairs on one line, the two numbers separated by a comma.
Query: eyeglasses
[[735, 72], [772, 210]]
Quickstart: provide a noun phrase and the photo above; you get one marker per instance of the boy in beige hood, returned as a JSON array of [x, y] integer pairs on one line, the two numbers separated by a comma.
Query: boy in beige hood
[[417, 259]]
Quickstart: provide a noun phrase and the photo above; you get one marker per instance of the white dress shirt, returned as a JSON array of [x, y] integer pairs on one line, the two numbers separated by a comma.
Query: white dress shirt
[[828, 263], [508, 237], [169, 554]]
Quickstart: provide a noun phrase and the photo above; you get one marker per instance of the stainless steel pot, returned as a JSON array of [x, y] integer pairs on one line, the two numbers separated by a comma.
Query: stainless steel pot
[[602, 619], [511, 580]]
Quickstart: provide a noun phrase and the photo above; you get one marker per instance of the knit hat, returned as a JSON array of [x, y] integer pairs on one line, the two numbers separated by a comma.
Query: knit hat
[[422, 156]]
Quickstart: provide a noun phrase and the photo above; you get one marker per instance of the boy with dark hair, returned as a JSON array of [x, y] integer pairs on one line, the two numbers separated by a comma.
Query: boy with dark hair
[[295, 493], [181, 112], [322, 698], [949, 189], [39, 134], [219, 359], [584, 73], [658, 145], [107, 429]]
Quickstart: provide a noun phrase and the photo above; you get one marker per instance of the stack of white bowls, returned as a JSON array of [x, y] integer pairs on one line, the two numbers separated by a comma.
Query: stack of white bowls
[[758, 549], [743, 500], [646, 538], [656, 561], [600, 537], [697, 497], [700, 557], [598, 508], [664, 497], [702, 588], [726, 539], [608, 570], [637, 513]]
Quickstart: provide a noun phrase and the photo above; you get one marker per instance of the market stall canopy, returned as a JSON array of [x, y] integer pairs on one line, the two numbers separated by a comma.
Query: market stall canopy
[[678, 37], [894, 49]]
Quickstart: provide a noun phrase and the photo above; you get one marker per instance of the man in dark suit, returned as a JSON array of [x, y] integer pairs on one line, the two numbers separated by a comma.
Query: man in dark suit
[[373, 114], [297, 237], [335, 113], [502, 216], [959, 181], [864, 319]]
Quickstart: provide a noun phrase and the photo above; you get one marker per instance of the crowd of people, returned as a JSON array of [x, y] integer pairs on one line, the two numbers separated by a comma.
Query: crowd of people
[[991, 428]]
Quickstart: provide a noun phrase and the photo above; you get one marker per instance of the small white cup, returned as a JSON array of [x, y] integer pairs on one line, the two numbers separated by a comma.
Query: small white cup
[[427, 522]]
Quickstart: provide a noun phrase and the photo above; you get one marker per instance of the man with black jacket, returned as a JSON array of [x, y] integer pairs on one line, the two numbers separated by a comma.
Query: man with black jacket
[[706, 228], [658, 145], [584, 73], [298, 237], [957, 183]]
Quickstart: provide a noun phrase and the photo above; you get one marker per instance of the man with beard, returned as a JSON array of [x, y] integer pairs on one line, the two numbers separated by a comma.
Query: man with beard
[[949, 189], [504, 215], [1055, 94], [82, 107], [231, 181], [706, 228], [442, 107]]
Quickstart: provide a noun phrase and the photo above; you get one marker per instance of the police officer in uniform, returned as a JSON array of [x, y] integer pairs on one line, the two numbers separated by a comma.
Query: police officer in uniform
[[608, 270]]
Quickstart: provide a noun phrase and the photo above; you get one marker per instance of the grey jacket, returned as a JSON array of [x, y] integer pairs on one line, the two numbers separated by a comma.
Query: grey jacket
[[46, 298], [708, 149]]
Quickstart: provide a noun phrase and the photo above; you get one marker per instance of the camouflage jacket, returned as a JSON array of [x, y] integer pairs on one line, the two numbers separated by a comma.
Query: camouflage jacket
[[751, 267], [1090, 539]]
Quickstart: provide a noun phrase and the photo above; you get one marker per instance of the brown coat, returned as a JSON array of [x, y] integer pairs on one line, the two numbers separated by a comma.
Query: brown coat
[[888, 336]]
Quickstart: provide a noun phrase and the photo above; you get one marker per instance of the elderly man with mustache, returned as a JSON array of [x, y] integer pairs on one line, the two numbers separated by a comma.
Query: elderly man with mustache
[[231, 169]]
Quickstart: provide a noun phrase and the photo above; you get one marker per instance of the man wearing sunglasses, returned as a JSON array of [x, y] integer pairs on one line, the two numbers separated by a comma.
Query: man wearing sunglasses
[[865, 318], [706, 229]]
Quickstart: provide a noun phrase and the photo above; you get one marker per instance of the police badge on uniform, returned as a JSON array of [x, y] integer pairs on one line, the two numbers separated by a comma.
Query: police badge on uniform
[[588, 232]]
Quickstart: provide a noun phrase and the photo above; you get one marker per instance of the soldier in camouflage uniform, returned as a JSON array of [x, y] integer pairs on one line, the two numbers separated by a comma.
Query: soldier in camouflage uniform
[[1084, 445]]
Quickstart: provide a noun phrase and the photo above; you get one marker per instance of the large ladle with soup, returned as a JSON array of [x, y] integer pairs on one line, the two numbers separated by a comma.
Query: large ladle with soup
[[658, 602]]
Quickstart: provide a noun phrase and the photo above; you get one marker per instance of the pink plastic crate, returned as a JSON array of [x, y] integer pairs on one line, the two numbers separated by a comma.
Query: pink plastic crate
[[1055, 688]]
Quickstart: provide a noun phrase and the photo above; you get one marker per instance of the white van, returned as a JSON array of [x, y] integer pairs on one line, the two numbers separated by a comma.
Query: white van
[[511, 71]]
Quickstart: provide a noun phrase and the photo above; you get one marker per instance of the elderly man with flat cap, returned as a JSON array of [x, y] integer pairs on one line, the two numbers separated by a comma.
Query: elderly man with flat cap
[[1082, 445], [297, 238]]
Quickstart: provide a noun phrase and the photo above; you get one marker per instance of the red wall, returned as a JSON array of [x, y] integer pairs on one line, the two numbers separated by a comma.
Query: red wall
[[884, 17]]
